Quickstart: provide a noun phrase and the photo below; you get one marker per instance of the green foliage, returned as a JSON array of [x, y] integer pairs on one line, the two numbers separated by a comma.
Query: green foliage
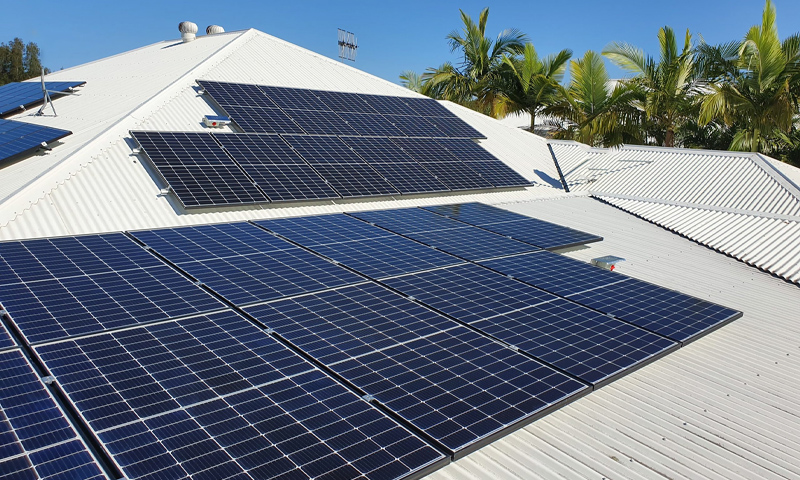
[[19, 62]]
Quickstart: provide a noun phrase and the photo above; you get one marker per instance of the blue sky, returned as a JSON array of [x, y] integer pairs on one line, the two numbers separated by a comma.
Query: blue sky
[[393, 36]]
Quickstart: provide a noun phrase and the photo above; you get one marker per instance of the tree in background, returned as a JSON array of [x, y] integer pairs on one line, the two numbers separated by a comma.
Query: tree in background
[[475, 81], [19, 62], [528, 83]]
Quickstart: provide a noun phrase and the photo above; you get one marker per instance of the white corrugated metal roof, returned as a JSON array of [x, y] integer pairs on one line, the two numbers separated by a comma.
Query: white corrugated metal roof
[[742, 204], [94, 182], [726, 406]]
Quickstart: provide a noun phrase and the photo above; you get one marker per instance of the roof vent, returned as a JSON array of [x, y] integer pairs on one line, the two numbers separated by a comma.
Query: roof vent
[[188, 31], [214, 29]]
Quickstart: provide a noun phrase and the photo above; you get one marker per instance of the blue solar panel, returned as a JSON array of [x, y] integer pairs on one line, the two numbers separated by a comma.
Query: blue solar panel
[[452, 126], [241, 94], [569, 336], [262, 269], [20, 95], [81, 285], [275, 167], [36, 440], [483, 162], [447, 169], [262, 120], [295, 99], [367, 249], [215, 397], [371, 124], [387, 105], [197, 169], [340, 166], [398, 168], [451, 236], [17, 138], [320, 122], [519, 227], [5, 338], [428, 107], [345, 102], [666, 312], [454, 384], [414, 126]]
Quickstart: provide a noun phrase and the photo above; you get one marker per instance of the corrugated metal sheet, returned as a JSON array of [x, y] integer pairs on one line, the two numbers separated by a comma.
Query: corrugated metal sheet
[[726, 406], [104, 187]]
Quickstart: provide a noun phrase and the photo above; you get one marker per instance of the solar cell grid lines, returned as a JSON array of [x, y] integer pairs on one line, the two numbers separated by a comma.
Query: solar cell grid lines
[[414, 126], [258, 267], [19, 95], [454, 127], [345, 102], [275, 167], [452, 383], [323, 229], [388, 105], [82, 285], [483, 162], [428, 107], [262, 120], [197, 169], [17, 138], [371, 124], [36, 440], [321, 122], [240, 94], [407, 220], [295, 99], [475, 213], [444, 166], [215, 397], [5, 338]]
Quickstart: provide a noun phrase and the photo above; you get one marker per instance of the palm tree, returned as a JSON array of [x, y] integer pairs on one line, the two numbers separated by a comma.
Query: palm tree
[[532, 83], [597, 112], [667, 85], [473, 82], [411, 80], [760, 93]]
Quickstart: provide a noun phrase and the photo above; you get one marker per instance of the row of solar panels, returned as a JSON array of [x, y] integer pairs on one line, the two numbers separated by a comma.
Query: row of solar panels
[[18, 96], [266, 109], [455, 342], [206, 169]]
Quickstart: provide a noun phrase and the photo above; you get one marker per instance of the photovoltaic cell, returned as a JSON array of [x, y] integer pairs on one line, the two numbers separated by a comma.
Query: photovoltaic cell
[[295, 99], [345, 102], [275, 167], [454, 127], [446, 168], [20, 95], [666, 312], [215, 397], [241, 94], [398, 168], [323, 229], [414, 126], [197, 169], [262, 120], [320, 122], [483, 162], [340, 166], [408, 220], [36, 440], [454, 384], [80, 285], [243, 273], [5, 339], [17, 138], [371, 124], [519, 227], [580, 341], [387, 105], [428, 107]]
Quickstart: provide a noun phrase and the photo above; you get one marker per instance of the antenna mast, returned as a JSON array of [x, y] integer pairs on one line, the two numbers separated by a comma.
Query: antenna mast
[[47, 100], [348, 44]]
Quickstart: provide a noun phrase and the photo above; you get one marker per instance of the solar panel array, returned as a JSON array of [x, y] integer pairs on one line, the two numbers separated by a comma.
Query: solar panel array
[[17, 138], [206, 169], [513, 225], [335, 346], [334, 113], [21, 95]]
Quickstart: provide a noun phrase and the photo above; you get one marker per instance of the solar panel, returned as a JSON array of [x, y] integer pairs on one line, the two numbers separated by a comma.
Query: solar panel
[[67, 286], [295, 98], [428, 107], [197, 169], [483, 162], [324, 123], [21, 95], [262, 120], [666, 312], [448, 170], [371, 124], [275, 167], [414, 126], [36, 440], [5, 338], [228, 94], [580, 341], [17, 138], [519, 227], [387, 105], [454, 384], [340, 166], [400, 170], [243, 271], [448, 235], [323, 229], [454, 127], [345, 102], [215, 397]]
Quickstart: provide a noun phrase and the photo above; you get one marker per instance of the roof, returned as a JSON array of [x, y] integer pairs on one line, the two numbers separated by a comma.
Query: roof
[[723, 407], [745, 205]]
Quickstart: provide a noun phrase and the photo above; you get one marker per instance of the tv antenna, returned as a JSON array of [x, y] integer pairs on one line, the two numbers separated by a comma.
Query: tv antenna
[[348, 45], [47, 100]]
